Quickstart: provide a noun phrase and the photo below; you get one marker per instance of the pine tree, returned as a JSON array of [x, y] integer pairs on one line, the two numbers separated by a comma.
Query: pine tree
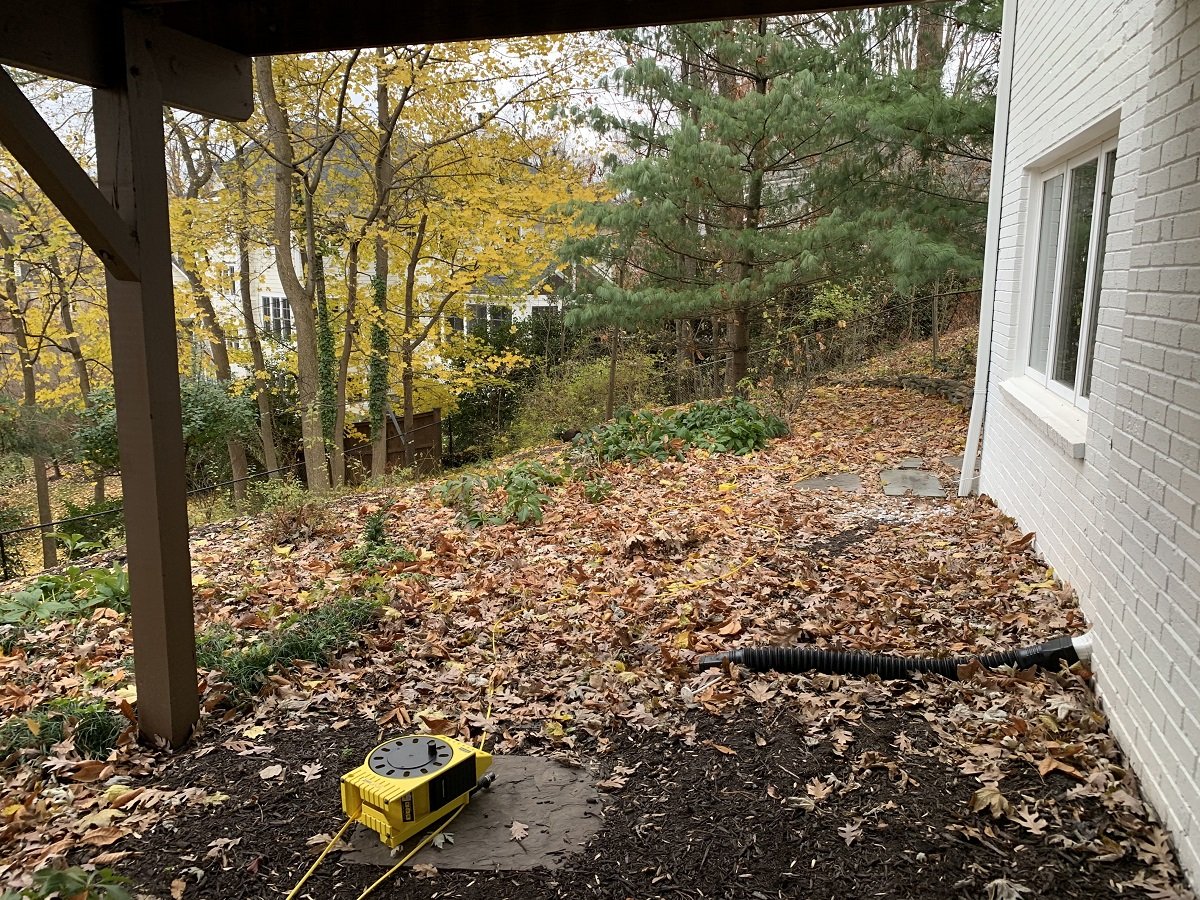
[[766, 156]]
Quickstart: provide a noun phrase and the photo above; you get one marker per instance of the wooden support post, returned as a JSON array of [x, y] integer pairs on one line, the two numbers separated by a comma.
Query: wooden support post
[[132, 170]]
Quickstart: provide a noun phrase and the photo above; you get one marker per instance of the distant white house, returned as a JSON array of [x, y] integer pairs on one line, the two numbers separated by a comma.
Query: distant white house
[[271, 310], [1088, 389], [494, 305]]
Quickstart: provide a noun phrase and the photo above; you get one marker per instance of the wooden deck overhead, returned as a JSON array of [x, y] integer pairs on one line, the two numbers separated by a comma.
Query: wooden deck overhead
[[80, 39], [140, 55]]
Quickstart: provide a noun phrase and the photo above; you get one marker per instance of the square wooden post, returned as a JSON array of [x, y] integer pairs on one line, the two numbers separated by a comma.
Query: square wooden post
[[132, 174]]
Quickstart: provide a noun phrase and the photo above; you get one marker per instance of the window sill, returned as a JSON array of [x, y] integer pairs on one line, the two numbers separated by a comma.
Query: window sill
[[1062, 423]]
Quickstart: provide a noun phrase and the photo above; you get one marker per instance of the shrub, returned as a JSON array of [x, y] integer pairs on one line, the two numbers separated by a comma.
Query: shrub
[[577, 399], [311, 636], [91, 723], [212, 416], [728, 426], [291, 514], [107, 529], [373, 549], [523, 496]]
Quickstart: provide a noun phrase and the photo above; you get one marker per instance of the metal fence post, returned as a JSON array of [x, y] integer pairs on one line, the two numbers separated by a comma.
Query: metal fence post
[[5, 566]]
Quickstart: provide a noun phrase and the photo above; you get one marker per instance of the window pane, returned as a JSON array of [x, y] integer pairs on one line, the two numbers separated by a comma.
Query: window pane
[[478, 324], [1079, 239], [1089, 345], [285, 318], [1047, 263]]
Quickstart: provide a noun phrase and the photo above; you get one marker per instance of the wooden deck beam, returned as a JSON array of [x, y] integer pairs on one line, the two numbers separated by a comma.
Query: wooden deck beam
[[81, 40], [50, 164]]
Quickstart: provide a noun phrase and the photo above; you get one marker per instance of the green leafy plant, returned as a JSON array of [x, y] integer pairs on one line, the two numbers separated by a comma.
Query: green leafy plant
[[72, 883], [94, 727], [596, 489], [728, 426], [521, 487], [73, 593], [374, 550], [76, 545], [105, 526], [311, 636]]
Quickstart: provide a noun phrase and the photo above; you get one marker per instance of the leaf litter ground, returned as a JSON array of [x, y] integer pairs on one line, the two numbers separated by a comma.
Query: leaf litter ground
[[579, 635]]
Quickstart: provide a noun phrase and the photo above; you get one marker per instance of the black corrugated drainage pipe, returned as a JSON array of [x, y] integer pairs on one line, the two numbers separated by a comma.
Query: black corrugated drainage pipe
[[1048, 655]]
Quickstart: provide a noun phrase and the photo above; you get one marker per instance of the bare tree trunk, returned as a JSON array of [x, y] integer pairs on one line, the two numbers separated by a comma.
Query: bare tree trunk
[[262, 388], [737, 337], [411, 323], [29, 401], [45, 513], [614, 349], [298, 295], [379, 365], [931, 47], [79, 361], [384, 175], [936, 303], [338, 450]]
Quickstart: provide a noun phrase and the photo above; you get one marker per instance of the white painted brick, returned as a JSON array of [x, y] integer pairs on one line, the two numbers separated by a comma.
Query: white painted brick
[[1122, 524]]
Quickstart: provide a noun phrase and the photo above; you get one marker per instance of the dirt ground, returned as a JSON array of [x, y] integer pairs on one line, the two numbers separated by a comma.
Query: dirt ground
[[725, 811]]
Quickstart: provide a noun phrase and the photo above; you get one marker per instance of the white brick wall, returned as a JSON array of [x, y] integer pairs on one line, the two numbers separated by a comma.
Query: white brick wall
[[1122, 523]]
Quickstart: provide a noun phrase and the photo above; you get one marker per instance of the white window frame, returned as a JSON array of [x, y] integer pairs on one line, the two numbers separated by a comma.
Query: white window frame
[[269, 324], [1093, 277]]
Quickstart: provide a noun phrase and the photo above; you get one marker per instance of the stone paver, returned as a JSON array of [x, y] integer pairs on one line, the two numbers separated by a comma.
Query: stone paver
[[845, 482], [911, 462], [560, 805], [900, 482]]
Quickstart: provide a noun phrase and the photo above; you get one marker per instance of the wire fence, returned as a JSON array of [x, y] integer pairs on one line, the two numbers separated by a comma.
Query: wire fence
[[798, 356], [795, 356], [13, 540]]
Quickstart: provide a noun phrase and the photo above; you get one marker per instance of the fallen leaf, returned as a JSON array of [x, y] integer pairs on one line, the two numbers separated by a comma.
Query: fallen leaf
[[178, 886], [989, 797], [312, 772], [107, 859], [851, 832], [519, 831], [102, 837], [270, 772]]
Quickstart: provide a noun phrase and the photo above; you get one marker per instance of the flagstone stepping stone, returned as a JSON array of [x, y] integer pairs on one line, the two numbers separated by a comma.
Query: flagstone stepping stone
[[911, 462], [953, 462], [900, 482], [560, 806], [846, 482]]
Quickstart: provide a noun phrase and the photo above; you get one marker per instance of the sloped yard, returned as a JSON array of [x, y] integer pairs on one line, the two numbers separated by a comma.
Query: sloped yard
[[579, 634]]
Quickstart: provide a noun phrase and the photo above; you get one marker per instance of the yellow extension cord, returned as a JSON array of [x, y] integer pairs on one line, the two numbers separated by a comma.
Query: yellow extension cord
[[295, 892]]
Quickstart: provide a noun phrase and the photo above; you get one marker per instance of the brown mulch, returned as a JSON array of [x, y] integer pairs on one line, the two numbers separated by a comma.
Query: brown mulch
[[737, 809]]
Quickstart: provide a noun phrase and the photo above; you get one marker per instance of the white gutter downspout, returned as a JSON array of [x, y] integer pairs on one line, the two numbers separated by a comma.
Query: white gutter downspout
[[969, 480]]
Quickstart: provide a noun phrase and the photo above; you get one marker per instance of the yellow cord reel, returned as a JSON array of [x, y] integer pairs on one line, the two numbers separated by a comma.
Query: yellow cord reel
[[407, 784]]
